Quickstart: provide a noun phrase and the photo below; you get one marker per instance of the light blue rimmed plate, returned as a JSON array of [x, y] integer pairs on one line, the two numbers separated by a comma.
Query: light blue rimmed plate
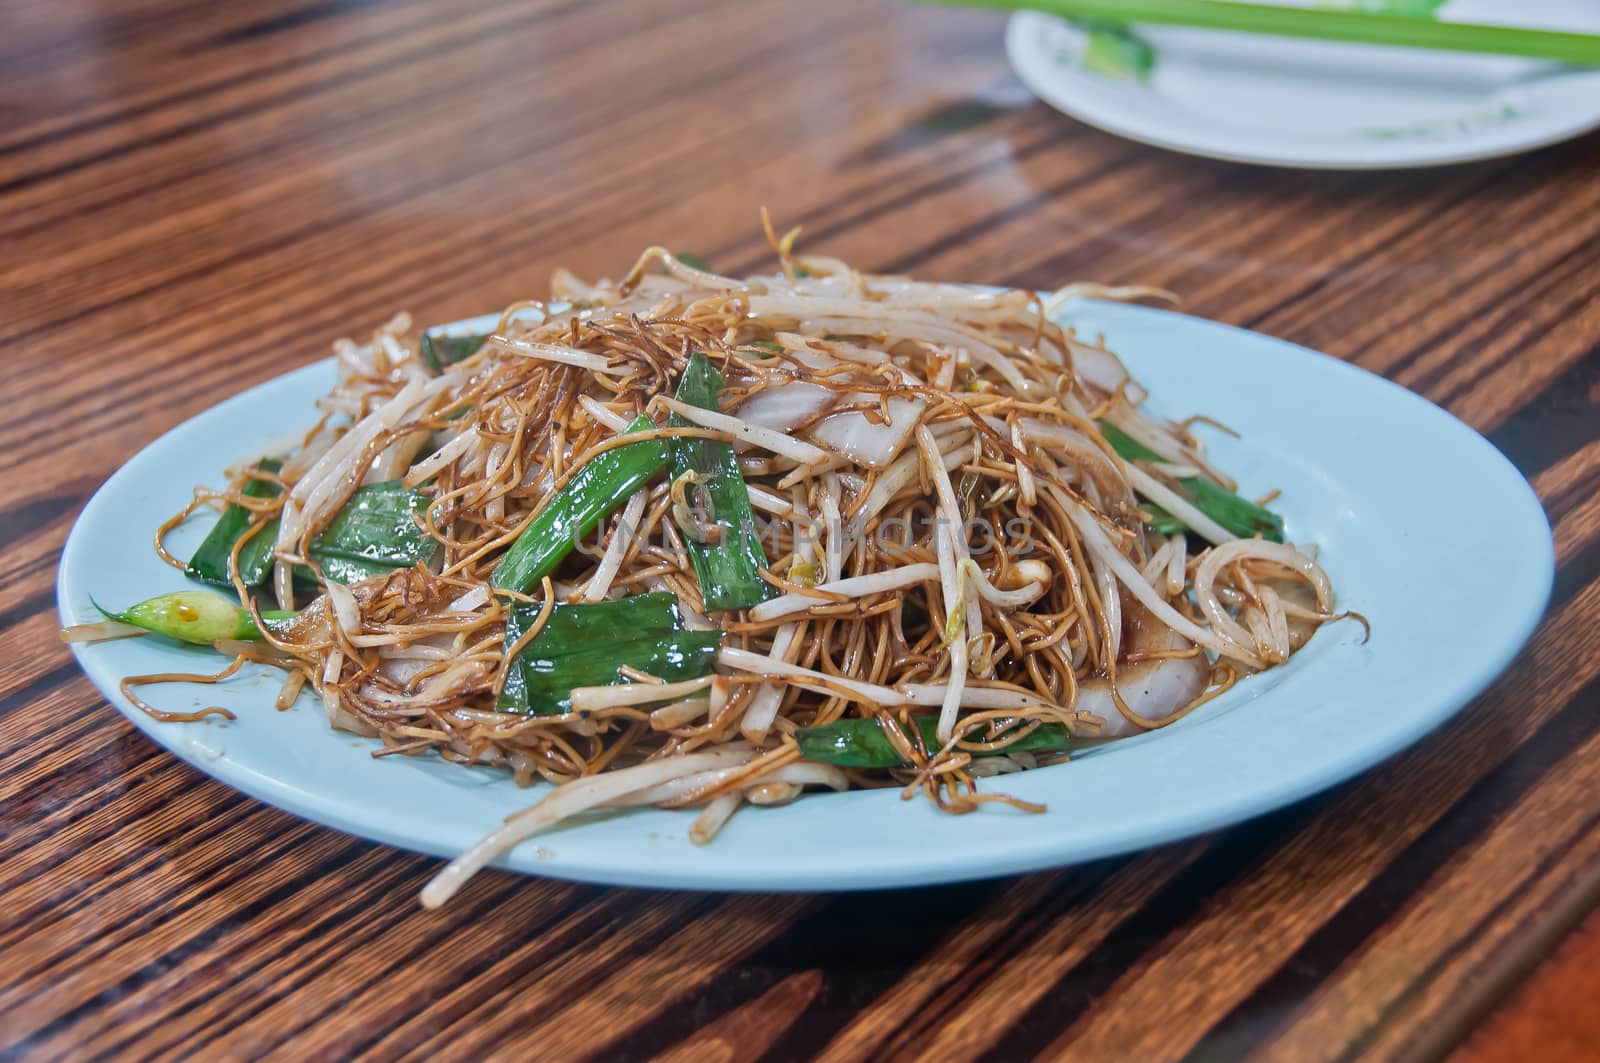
[[1370, 473], [1314, 104]]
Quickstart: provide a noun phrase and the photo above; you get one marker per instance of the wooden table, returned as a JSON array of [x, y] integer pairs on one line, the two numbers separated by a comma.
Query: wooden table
[[196, 197]]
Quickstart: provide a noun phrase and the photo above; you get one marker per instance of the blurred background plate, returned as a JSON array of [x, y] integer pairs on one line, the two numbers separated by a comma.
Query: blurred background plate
[[1311, 104]]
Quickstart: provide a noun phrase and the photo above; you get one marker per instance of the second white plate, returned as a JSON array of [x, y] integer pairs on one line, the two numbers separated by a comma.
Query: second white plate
[[1310, 104]]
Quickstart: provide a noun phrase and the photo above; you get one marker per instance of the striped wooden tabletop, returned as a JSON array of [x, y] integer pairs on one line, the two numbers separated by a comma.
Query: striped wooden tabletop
[[196, 197]]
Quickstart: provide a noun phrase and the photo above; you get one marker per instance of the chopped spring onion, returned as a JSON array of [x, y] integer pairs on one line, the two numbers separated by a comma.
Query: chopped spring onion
[[1238, 515], [601, 486], [584, 645], [210, 562], [722, 539], [440, 351], [375, 532], [861, 743], [198, 617]]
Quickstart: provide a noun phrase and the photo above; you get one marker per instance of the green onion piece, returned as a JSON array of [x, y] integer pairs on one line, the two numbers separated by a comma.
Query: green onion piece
[[595, 490], [693, 261], [375, 532], [581, 625], [440, 351], [771, 345], [1112, 50], [861, 743], [728, 567], [550, 680], [1127, 447], [584, 644], [1238, 515], [1162, 522], [584, 625], [210, 562], [199, 617]]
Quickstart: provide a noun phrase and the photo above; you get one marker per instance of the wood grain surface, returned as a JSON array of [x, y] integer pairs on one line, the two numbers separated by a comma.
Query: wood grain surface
[[196, 197]]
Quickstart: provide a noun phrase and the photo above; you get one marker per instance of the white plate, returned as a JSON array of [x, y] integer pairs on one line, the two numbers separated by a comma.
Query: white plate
[[1301, 103], [1400, 498]]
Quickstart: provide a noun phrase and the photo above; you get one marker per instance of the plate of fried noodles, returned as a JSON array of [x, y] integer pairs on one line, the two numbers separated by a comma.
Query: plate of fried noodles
[[816, 579]]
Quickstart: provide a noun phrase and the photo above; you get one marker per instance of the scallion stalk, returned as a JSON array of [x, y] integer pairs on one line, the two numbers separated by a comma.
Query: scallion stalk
[[210, 562], [1238, 515], [861, 743], [195, 616], [375, 532], [585, 644], [440, 351], [597, 489], [722, 541]]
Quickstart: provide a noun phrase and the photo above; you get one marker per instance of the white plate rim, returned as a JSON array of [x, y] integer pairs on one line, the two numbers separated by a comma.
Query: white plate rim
[[660, 857], [1044, 81]]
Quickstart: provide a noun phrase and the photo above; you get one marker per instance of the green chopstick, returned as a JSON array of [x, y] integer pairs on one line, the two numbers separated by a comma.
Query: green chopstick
[[1359, 27]]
